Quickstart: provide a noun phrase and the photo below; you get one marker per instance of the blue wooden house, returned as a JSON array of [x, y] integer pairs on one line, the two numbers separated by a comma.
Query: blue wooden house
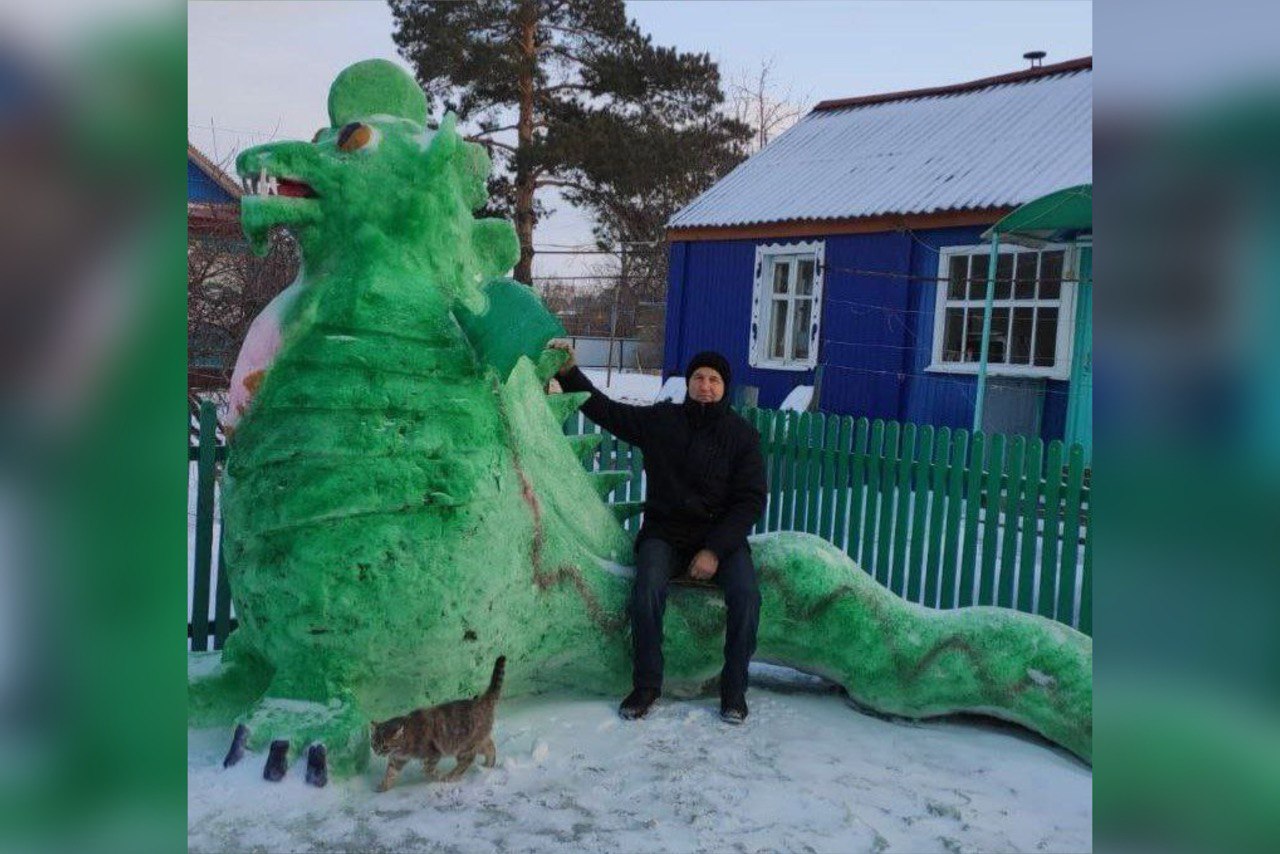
[[207, 184], [213, 218], [849, 254]]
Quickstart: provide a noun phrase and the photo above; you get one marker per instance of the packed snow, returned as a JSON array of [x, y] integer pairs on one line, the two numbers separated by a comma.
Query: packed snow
[[806, 772], [626, 386], [799, 399], [674, 389]]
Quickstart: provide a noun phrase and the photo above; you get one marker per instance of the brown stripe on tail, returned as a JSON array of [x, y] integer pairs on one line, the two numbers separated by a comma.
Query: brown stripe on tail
[[495, 683]]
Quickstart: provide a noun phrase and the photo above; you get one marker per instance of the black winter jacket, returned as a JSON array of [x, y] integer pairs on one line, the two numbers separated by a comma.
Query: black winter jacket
[[706, 484]]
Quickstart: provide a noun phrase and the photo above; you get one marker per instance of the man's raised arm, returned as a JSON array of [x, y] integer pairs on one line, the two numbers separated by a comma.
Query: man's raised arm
[[626, 422]]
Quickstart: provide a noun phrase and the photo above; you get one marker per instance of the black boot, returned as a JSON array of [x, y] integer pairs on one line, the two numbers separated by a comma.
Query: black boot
[[733, 708], [638, 703]]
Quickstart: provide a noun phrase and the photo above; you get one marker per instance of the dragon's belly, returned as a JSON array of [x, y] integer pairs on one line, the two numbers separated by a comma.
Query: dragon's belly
[[366, 513]]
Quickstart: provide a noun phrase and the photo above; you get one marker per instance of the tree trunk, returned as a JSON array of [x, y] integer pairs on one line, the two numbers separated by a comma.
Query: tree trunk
[[525, 175]]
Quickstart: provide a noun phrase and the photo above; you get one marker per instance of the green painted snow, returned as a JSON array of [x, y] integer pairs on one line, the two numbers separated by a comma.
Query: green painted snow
[[401, 505], [375, 87]]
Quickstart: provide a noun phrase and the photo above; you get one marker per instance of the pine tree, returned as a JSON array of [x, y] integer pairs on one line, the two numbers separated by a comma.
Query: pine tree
[[570, 94]]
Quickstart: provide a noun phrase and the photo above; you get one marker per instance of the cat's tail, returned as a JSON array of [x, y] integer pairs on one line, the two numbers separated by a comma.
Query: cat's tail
[[495, 682]]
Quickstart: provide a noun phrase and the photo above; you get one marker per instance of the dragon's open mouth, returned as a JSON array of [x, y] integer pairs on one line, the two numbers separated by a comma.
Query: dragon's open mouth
[[271, 185]]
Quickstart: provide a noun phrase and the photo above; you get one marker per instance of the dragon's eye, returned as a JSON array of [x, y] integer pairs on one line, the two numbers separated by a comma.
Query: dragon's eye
[[354, 136]]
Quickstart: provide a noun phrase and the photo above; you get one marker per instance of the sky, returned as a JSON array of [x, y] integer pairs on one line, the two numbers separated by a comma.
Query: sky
[[261, 71]]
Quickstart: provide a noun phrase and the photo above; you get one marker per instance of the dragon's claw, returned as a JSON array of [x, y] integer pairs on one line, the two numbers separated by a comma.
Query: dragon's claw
[[317, 765], [236, 753], [277, 761]]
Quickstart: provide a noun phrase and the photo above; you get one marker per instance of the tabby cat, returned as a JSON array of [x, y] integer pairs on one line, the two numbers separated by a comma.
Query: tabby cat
[[460, 728]]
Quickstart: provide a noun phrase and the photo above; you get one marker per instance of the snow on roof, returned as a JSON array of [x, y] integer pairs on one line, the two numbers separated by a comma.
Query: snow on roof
[[798, 400], [990, 143]]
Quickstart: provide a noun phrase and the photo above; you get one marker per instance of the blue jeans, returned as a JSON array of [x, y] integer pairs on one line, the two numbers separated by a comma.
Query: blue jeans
[[656, 564]]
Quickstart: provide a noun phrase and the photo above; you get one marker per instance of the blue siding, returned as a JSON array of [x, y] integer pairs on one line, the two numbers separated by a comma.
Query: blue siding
[[1053, 423], [877, 329], [866, 338], [202, 188]]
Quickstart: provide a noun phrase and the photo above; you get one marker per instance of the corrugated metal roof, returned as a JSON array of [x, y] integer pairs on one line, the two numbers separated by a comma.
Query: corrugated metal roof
[[998, 145]]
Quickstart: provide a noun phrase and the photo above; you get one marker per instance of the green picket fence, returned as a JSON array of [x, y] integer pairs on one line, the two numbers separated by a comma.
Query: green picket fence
[[943, 518], [205, 459]]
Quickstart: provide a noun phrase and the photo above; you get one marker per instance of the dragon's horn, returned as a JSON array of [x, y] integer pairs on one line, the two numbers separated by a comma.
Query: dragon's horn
[[445, 140], [607, 481], [624, 510], [585, 445]]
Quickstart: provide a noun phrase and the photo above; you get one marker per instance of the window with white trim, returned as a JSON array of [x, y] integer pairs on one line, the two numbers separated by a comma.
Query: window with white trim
[[1031, 318], [786, 306]]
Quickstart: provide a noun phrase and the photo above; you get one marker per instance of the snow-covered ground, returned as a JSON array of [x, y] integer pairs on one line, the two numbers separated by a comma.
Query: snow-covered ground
[[805, 773], [626, 386]]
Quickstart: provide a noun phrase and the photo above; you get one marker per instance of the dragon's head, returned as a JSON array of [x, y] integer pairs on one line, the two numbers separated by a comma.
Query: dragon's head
[[377, 175]]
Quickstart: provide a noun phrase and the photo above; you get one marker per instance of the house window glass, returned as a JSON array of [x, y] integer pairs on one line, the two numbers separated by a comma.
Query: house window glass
[[1025, 285], [956, 277], [1023, 329], [1050, 275], [1046, 333], [804, 277], [801, 337], [780, 278], [1004, 277], [778, 330], [1030, 307], [951, 342], [972, 335], [788, 300]]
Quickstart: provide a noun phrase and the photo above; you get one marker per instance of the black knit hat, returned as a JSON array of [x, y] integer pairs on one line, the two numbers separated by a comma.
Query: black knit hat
[[709, 359]]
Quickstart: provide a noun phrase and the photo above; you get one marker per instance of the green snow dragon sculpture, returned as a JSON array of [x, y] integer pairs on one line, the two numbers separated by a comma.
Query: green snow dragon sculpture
[[401, 505]]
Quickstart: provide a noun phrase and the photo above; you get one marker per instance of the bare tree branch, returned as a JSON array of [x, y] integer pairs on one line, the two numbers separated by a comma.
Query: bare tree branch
[[476, 138], [756, 100]]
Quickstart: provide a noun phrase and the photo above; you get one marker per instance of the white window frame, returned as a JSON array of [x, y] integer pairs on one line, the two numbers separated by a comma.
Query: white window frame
[[767, 256], [1065, 339]]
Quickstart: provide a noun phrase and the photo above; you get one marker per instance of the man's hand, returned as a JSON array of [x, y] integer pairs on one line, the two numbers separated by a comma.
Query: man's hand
[[704, 565], [561, 344]]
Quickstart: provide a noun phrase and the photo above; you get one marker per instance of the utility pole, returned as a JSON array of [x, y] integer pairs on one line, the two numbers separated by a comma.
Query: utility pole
[[613, 315]]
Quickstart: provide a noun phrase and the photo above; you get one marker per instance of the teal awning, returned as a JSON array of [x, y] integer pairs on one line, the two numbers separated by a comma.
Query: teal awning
[[1060, 216]]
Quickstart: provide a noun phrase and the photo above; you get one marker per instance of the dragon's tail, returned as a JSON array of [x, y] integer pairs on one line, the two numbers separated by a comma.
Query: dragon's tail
[[495, 682], [822, 614], [905, 659]]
